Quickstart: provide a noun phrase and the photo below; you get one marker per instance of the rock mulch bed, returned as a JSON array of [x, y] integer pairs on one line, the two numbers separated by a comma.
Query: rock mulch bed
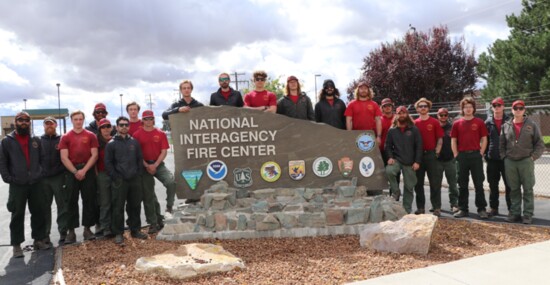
[[315, 260]]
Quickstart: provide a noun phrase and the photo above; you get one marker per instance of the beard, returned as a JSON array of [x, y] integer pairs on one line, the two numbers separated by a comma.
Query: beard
[[402, 120], [22, 131], [50, 131]]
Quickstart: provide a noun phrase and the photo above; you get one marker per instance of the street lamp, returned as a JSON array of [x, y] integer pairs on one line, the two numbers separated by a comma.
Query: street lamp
[[315, 95], [25, 103], [59, 108], [121, 105]]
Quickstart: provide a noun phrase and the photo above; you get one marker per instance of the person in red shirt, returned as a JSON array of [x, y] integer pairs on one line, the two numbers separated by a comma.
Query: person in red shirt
[[260, 98], [132, 109], [363, 113], [103, 180], [78, 150], [468, 142], [154, 145], [432, 139]]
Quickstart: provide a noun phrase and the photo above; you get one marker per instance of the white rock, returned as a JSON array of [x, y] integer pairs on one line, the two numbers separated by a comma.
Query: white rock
[[410, 234], [190, 260]]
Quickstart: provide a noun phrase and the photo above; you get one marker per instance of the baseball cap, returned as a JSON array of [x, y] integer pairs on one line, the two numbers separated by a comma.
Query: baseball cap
[[290, 78], [147, 114], [104, 122], [363, 83], [22, 114], [498, 100], [50, 119], [402, 109], [443, 111], [386, 101], [518, 102], [99, 106]]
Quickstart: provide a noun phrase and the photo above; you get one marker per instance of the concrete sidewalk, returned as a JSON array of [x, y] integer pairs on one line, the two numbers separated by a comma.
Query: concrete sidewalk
[[520, 265]]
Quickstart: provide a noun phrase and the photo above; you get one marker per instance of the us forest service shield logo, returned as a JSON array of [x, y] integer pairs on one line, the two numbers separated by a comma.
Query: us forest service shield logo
[[270, 171], [216, 170], [297, 169], [366, 166], [365, 142], [192, 177], [322, 166], [242, 177], [345, 165]]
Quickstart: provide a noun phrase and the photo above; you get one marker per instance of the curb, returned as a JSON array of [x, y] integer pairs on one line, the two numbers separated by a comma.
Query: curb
[[57, 277]]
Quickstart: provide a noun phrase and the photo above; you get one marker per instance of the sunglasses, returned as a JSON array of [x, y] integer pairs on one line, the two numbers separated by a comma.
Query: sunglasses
[[148, 119], [422, 106], [496, 105], [387, 105], [106, 127], [519, 108], [23, 120], [123, 125], [259, 79], [100, 112], [224, 79], [443, 115]]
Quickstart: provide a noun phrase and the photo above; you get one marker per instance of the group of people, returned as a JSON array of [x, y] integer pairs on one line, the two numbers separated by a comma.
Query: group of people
[[111, 167]]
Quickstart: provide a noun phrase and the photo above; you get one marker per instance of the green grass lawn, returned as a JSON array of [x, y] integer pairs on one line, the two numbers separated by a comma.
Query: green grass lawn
[[547, 141]]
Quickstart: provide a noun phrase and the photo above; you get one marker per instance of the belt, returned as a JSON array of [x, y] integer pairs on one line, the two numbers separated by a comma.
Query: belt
[[429, 151], [150, 161], [469, 151]]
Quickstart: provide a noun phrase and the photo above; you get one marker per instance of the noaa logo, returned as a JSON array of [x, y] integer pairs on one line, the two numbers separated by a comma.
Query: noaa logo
[[365, 142], [322, 166], [270, 171], [242, 177], [366, 166], [216, 170]]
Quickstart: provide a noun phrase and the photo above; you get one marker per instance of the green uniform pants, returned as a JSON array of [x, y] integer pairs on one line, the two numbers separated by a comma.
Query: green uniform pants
[[167, 179], [86, 188], [105, 200], [17, 203], [54, 187], [521, 173], [449, 169], [129, 192], [430, 166], [150, 202], [470, 162], [409, 181]]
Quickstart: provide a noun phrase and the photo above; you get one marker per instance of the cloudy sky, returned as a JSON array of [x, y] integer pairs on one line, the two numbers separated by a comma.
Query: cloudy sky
[[100, 49]]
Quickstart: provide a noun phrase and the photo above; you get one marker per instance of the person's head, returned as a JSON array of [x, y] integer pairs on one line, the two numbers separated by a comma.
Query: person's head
[[363, 91], [259, 77], [122, 125], [329, 89], [105, 128], [77, 119], [443, 115], [132, 109], [423, 106], [387, 106], [100, 111], [292, 85], [467, 106], [22, 123], [402, 117], [518, 108], [148, 118], [50, 126], [224, 79], [186, 87], [497, 105]]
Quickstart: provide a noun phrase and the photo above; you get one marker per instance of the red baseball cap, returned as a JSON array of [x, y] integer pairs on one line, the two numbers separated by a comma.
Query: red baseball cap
[[290, 78], [387, 101], [443, 111], [147, 114], [518, 102], [402, 109], [104, 122], [498, 100], [100, 106]]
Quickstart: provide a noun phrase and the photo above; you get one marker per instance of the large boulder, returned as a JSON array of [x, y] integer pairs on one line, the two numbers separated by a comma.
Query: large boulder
[[410, 234], [189, 261]]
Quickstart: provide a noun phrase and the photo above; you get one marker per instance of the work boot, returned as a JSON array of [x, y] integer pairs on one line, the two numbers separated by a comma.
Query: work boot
[[17, 251], [119, 239], [88, 235], [454, 208], [108, 234], [419, 211], [71, 237], [40, 245], [513, 218], [527, 220], [483, 214], [138, 235], [461, 214], [437, 212], [47, 240], [493, 212], [153, 229], [62, 237], [169, 209]]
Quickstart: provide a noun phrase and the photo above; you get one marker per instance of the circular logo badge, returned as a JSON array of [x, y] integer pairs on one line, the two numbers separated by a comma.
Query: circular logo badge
[[366, 166], [365, 142], [474, 127], [270, 171], [216, 170], [322, 166], [429, 127]]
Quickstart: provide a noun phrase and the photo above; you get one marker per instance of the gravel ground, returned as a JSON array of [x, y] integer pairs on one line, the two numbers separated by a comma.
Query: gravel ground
[[320, 260]]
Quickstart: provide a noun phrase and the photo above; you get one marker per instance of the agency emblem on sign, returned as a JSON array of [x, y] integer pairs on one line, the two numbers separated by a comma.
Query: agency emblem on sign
[[270, 171], [192, 177], [345, 165], [216, 170], [365, 142], [242, 177], [366, 166], [297, 169], [322, 166]]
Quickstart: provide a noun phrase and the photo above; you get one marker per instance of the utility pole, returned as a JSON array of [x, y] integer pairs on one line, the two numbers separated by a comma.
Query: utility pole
[[236, 75], [150, 102]]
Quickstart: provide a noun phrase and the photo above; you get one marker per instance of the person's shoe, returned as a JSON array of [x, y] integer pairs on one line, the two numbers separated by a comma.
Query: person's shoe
[[461, 214], [40, 245], [108, 234], [169, 209], [437, 212], [527, 220], [99, 233], [455, 208], [71, 237], [47, 240], [395, 196], [513, 218], [493, 212], [153, 229], [17, 251], [119, 239], [62, 237], [483, 215], [138, 235], [419, 211], [87, 234], [431, 210]]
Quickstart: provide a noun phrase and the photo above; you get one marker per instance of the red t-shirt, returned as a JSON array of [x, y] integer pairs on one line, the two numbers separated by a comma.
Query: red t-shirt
[[517, 128], [151, 142], [431, 131], [134, 126], [363, 114], [498, 123], [468, 133], [386, 125], [331, 102], [79, 145], [226, 94], [23, 141], [294, 98], [260, 99], [101, 159]]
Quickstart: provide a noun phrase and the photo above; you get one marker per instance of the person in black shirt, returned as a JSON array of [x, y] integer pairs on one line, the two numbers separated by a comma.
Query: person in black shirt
[[185, 104], [330, 108], [447, 159], [226, 96]]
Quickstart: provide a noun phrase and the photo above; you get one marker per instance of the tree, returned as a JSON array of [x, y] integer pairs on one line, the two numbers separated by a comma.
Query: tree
[[520, 65], [420, 65], [273, 85]]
